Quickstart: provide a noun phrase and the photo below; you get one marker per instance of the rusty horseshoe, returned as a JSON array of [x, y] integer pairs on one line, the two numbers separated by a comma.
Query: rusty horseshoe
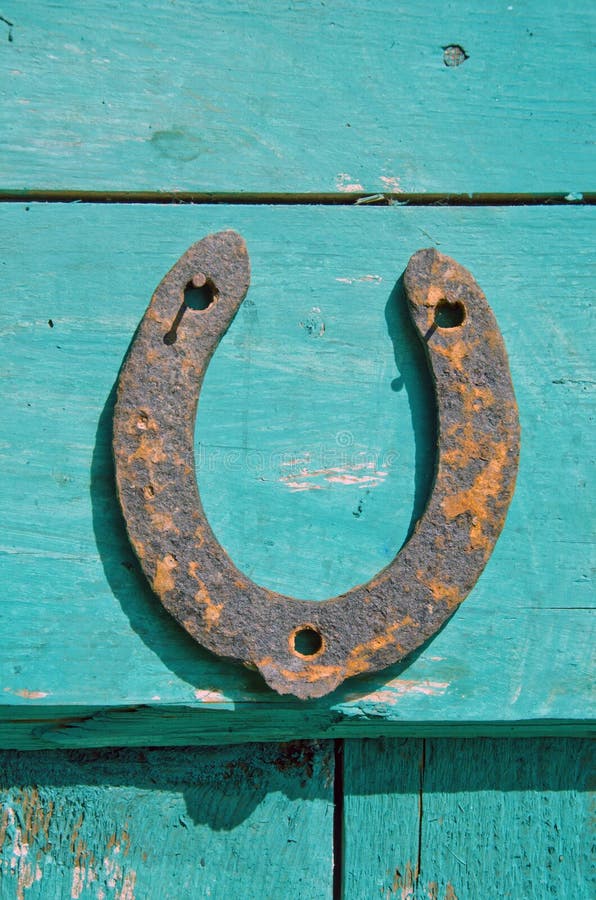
[[302, 647]]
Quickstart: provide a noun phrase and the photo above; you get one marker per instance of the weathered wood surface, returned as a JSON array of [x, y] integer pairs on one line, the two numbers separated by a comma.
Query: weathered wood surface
[[300, 96], [458, 820], [309, 467], [246, 822]]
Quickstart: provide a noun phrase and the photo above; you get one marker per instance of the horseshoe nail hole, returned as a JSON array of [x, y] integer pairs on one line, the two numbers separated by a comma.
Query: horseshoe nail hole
[[199, 293], [449, 315], [306, 641], [454, 55]]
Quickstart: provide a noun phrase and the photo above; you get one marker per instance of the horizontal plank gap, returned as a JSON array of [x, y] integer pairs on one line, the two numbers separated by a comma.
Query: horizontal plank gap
[[356, 198]]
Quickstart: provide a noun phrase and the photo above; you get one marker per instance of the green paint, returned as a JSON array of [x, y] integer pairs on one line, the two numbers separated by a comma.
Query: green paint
[[455, 820], [82, 633], [305, 96], [247, 822]]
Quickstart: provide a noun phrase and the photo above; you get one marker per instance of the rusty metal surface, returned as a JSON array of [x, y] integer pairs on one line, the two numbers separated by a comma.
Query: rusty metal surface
[[302, 647]]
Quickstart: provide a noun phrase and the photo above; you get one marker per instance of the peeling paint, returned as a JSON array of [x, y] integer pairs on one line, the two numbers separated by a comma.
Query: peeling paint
[[392, 183], [332, 475], [28, 695], [211, 695], [374, 279], [344, 182]]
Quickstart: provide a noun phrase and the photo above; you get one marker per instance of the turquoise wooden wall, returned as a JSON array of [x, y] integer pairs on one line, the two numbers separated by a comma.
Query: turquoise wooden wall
[[334, 137]]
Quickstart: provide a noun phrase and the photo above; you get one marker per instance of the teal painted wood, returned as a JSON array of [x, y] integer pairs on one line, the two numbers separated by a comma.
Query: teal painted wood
[[381, 817], [254, 96], [248, 822], [458, 820], [89, 657]]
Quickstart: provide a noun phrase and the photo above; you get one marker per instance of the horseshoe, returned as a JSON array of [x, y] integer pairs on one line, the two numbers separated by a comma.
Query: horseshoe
[[302, 647]]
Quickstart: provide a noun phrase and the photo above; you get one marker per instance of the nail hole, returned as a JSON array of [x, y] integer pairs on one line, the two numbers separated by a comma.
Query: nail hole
[[449, 315], [199, 293], [454, 55], [306, 641]]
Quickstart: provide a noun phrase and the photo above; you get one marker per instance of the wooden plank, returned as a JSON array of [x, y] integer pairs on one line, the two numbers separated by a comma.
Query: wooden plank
[[301, 96], [456, 820], [89, 657], [159, 824], [381, 800]]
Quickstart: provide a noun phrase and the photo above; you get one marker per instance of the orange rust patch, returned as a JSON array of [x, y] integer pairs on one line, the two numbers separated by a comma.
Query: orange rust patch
[[212, 610], [359, 658], [193, 570], [150, 450], [189, 367], [435, 294], [164, 580], [459, 457], [440, 590], [487, 484], [474, 397], [311, 673], [456, 352], [163, 522], [155, 316], [265, 662]]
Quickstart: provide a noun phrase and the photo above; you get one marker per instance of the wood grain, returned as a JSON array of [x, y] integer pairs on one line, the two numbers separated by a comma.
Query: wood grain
[[302, 96], [161, 824], [314, 454], [456, 820]]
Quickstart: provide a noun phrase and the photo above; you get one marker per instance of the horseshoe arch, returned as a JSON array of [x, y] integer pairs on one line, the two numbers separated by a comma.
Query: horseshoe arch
[[302, 647]]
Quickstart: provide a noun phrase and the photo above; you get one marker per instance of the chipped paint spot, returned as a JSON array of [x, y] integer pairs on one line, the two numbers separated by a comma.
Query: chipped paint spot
[[392, 183], [302, 485], [397, 688], [316, 479], [127, 891], [368, 480], [211, 695], [373, 279], [28, 695], [297, 461], [26, 822], [346, 183]]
